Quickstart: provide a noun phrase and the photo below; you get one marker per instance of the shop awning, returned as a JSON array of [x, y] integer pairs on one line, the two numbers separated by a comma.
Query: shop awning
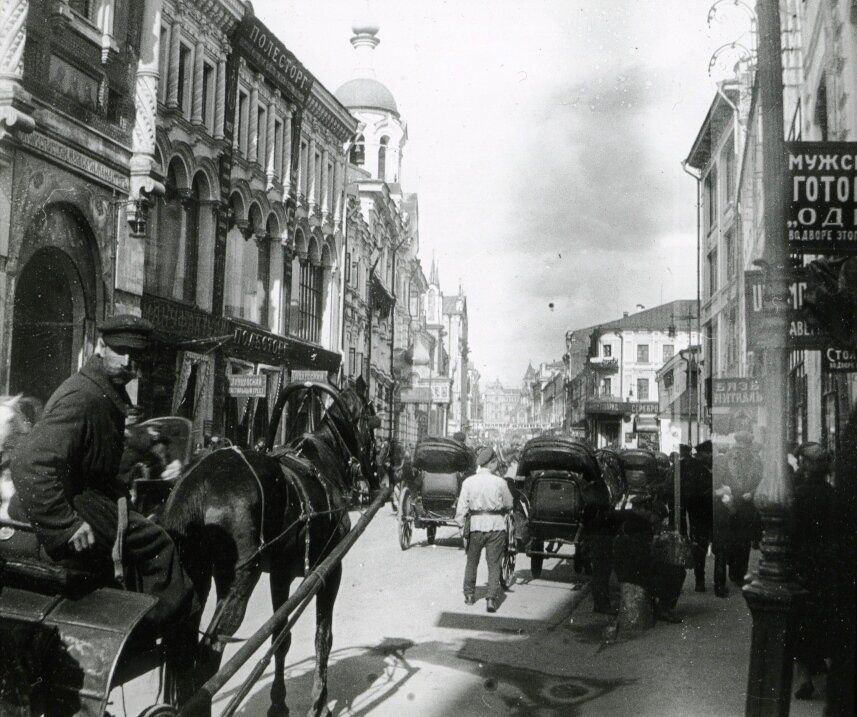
[[382, 300], [646, 424]]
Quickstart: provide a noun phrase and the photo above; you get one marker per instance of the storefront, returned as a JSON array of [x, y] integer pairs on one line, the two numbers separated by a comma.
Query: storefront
[[222, 374], [622, 424]]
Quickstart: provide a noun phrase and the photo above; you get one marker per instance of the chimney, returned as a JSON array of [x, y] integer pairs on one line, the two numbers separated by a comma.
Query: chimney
[[624, 314]]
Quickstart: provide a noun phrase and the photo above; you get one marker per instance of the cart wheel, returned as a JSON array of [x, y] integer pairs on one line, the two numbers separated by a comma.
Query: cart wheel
[[159, 711], [431, 533], [537, 561], [507, 571], [406, 519]]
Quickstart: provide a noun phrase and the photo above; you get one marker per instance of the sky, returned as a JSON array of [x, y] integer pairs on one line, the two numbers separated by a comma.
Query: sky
[[545, 143]]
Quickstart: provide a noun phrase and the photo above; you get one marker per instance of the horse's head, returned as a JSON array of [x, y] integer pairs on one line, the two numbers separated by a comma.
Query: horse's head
[[14, 421], [365, 421]]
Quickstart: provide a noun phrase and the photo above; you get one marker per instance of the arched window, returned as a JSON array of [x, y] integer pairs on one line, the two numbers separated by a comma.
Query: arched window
[[382, 158], [232, 291], [311, 287], [174, 249], [357, 156]]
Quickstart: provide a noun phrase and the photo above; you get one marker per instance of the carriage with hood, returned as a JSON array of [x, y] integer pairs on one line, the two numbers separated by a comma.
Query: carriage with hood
[[563, 492], [70, 635], [439, 467]]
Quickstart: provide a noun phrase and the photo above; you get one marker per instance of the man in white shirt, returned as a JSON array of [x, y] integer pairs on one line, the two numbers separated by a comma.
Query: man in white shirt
[[485, 497]]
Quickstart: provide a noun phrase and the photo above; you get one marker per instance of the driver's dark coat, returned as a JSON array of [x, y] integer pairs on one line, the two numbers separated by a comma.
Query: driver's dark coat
[[77, 445]]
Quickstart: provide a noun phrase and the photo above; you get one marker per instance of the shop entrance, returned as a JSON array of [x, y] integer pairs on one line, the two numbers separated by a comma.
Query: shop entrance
[[43, 325]]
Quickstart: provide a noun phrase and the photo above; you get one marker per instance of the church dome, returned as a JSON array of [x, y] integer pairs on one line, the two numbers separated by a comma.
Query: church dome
[[366, 93]]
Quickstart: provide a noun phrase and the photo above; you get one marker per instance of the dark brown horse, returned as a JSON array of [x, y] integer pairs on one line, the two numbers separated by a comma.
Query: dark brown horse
[[239, 512]]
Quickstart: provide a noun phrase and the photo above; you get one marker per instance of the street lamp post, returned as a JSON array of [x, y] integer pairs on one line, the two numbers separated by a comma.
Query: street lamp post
[[772, 596]]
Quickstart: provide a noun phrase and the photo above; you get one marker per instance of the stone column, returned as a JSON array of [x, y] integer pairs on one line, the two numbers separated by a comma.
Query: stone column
[[220, 99], [173, 98], [270, 141], [105, 23], [325, 182], [196, 111], [312, 184], [146, 105], [253, 123], [15, 108], [287, 152]]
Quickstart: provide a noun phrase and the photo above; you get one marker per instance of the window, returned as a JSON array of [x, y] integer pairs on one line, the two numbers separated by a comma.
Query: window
[[642, 353], [382, 158], [669, 352], [84, 8], [608, 387], [729, 168], [310, 302], [185, 73], [303, 168], [263, 279], [208, 97], [261, 126], [642, 389], [729, 241], [669, 379], [242, 122], [164, 49], [278, 148], [712, 273], [607, 350], [286, 294], [348, 268], [710, 189], [352, 365], [732, 338], [316, 166], [357, 155]]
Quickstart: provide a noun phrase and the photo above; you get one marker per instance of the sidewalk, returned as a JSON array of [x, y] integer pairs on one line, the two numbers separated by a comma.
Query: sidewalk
[[694, 669]]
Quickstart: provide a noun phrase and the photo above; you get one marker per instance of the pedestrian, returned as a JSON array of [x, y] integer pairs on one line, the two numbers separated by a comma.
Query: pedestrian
[[483, 500], [812, 557], [697, 501], [735, 516], [67, 483]]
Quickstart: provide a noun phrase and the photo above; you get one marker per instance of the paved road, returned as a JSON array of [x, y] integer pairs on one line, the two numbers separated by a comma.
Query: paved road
[[406, 645]]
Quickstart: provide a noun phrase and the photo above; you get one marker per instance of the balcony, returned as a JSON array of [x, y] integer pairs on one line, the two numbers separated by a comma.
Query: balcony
[[604, 364]]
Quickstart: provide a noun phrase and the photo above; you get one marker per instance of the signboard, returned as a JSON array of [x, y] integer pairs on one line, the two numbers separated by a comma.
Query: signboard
[[821, 197], [804, 333], [728, 392], [839, 360], [415, 394], [261, 48], [309, 375], [618, 408], [440, 392], [244, 386]]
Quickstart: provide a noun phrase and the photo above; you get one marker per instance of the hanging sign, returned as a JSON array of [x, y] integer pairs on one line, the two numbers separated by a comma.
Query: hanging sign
[[804, 332], [244, 386], [309, 375], [821, 197], [839, 360]]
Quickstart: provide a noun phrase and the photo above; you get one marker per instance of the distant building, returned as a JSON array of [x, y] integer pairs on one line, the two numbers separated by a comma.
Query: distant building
[[678, 383], [613, 399], [455, 323], [500, 404]]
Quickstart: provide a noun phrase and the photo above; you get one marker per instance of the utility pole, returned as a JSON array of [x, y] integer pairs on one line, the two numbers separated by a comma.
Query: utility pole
[[772, 596]]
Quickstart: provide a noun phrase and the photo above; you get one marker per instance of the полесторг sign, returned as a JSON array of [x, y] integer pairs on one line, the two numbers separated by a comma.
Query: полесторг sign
[[821, 197]]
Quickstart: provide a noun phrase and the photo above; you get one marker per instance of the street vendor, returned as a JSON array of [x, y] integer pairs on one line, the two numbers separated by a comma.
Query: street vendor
[[66, 474]]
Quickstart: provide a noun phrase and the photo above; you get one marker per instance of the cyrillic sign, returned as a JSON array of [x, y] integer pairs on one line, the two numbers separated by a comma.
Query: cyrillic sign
[[309, 375], [736, 392], [839, 360], [259, 46], [821, 199], [243, 386]]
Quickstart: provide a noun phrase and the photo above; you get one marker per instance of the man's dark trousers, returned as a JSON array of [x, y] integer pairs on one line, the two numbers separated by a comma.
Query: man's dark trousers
[[494, 542]]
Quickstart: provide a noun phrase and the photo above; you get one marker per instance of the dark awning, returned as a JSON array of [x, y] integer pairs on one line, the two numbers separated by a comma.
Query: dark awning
[[382, 300]]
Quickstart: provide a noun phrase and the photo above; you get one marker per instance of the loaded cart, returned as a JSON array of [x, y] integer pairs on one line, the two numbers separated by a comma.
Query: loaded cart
[[563, 491]]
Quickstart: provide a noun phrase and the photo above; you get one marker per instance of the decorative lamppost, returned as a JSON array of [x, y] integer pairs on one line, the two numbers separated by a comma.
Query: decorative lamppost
[[772, 596]]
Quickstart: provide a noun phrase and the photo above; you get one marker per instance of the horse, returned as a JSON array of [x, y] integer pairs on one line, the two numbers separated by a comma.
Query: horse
[[236, 513]]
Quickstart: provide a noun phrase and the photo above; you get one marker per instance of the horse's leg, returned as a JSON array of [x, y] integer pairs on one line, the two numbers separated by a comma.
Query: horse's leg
[[324, 602], [281, 580]]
